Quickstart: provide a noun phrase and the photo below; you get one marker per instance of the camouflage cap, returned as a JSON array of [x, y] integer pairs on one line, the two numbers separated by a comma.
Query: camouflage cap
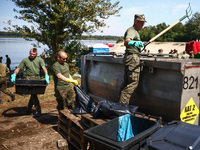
[[140, 17]]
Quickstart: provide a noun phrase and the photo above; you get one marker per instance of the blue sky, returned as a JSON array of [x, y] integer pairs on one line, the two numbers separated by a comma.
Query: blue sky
[[155, 11]]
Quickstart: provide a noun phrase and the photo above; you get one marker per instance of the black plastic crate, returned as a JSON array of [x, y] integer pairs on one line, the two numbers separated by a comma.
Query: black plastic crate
[[23, 86], [175, 135], [104, 136]]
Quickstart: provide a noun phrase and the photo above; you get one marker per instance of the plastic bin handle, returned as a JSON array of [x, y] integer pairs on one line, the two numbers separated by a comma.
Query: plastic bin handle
[[194, 144]]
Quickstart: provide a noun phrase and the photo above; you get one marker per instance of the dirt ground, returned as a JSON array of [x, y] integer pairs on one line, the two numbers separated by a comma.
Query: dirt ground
[[27, 132]]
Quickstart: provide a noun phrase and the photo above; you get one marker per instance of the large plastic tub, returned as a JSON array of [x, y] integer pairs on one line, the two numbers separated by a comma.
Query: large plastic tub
[[104, 136], [30, 86], [175, 135]]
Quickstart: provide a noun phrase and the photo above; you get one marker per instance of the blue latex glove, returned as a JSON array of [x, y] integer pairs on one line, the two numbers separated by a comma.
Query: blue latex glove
[[47, 78], [13, 77], [137, 44]]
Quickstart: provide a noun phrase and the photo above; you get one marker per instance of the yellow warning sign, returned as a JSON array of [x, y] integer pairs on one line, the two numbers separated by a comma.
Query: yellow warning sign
[[190, 112]]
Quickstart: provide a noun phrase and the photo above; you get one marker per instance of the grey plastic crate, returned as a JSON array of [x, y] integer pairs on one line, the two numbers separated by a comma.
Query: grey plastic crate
[[30, 86]]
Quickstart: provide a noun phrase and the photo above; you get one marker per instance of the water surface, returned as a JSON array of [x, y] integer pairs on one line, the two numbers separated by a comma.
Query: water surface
[[18, 48]]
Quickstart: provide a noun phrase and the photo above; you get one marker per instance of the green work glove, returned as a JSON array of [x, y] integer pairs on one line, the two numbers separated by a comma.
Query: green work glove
[[137, 44], [72, 81], [47, 78], [13, 77]]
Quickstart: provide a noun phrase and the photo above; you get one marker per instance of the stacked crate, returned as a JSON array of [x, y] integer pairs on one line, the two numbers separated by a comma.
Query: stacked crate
[[89, 121], [71, 127]]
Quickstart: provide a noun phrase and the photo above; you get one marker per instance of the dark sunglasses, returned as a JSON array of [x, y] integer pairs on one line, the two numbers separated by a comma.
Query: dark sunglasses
[[63, 58]]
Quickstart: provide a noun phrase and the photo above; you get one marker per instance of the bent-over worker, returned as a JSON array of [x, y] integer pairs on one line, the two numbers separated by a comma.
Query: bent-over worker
[[64, 92]]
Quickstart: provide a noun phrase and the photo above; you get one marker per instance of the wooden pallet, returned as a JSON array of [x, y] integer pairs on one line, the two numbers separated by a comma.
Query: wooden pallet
[[71, 128], [89, 121]]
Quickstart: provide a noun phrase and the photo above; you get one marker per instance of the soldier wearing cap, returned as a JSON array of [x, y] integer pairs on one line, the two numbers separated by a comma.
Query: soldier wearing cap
[[133, 43]]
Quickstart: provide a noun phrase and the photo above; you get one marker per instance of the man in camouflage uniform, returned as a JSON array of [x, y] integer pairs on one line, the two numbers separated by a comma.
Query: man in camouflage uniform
[[3, 82], [32, 66], [64, 91], [131, 60]]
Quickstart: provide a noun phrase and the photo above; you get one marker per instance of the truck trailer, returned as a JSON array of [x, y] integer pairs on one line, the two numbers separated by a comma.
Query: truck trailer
[[168, 87]]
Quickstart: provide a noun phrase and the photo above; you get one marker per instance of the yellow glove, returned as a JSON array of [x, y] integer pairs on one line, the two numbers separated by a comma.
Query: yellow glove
[[72, 81], [75, 82]]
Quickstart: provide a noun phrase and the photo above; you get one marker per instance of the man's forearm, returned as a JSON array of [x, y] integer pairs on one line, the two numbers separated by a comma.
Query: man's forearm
[[61, 77], [45, 70], [127, 40], [16, 71]]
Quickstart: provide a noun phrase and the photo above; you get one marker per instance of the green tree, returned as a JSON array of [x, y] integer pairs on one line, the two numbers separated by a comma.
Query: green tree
[[146, 33], [193, 27], [176, 34], [159, 28], [55, 22], [179, 33]]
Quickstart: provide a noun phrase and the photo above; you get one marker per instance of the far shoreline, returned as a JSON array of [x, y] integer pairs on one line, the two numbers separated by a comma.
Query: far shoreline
[[154, 46]]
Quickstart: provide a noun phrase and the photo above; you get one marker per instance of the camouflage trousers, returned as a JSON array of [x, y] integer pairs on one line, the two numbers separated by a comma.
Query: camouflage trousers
[[131, 77], [3, 88], [34, 98], [65, 97]]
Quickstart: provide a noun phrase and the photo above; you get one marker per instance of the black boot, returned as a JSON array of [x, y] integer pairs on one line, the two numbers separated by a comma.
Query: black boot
[[12, 97], [29, 112], [38, 114], [30, 105], [38, 108]]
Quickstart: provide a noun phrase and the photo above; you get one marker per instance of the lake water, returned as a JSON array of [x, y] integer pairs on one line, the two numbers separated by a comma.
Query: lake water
[[18, 48]]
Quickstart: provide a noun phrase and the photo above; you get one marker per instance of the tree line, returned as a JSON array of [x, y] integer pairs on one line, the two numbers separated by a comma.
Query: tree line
[[10, 34], [179, 33], [84, 37]]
